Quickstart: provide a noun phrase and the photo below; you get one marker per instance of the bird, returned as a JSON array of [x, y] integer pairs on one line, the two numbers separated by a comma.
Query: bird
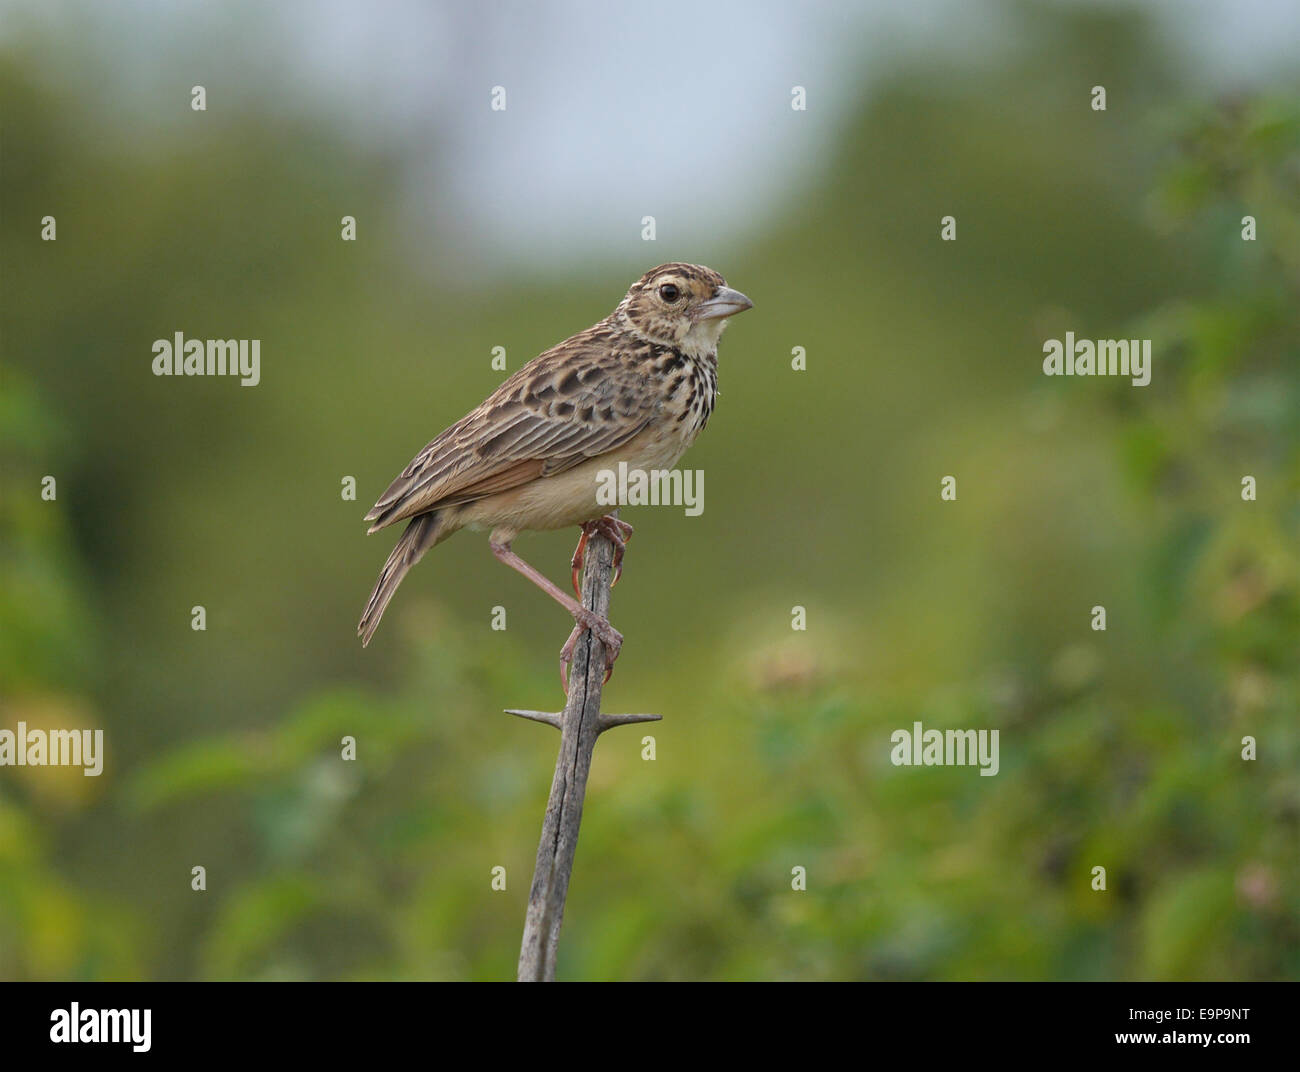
[[637, 387]]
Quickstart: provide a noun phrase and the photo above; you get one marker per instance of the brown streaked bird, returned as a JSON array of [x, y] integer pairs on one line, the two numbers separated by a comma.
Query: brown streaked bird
[[637, 388]]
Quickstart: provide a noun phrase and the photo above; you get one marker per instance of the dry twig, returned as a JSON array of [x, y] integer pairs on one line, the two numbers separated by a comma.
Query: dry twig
[[580, 723]]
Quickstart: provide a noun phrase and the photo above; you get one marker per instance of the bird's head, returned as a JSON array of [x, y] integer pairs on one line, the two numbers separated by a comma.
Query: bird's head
[[681, 305]]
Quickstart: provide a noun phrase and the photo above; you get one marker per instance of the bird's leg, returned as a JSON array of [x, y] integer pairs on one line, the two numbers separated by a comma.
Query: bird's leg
[[618, 532], [578, 556], [584, 618]]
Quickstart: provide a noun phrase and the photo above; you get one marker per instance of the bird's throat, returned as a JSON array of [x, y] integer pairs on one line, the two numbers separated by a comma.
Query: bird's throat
[[702, 339]]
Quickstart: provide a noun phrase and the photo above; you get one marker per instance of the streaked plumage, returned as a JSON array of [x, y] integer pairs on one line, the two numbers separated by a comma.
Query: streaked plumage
[[638, 387]]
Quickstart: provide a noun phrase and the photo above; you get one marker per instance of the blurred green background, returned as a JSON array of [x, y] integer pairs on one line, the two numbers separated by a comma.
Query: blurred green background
[[1119, 749]]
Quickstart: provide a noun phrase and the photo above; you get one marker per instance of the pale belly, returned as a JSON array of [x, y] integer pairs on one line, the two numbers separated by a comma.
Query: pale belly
[[570, 498]]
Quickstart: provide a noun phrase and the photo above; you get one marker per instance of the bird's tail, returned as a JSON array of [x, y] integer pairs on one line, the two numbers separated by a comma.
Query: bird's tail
[[423, 532]]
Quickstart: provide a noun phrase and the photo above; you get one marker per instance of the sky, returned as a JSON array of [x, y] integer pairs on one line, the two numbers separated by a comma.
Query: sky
[[614, 111]]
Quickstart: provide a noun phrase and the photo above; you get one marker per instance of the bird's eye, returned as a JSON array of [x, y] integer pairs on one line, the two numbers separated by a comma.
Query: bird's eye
[[669, 293]]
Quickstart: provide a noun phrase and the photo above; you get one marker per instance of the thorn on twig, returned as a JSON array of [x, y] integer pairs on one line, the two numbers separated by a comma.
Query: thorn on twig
[[551, 718], [603, 722], [608, 722]]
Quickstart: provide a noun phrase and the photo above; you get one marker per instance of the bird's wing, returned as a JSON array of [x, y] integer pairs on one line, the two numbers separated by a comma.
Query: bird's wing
[[579, 400]]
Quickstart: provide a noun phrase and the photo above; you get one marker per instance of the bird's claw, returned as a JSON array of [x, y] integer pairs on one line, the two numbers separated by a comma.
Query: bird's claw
[[610, 637], [617, 531]]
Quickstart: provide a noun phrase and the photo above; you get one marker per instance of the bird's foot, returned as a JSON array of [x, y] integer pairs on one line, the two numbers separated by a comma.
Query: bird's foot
[[610, 637], [617, 531]]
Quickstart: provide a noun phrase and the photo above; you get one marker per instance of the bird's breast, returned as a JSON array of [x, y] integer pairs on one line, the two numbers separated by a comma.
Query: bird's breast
[[689, 388]]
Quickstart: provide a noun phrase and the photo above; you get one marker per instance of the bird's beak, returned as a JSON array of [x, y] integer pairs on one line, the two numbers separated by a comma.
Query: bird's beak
[[726, 302]]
